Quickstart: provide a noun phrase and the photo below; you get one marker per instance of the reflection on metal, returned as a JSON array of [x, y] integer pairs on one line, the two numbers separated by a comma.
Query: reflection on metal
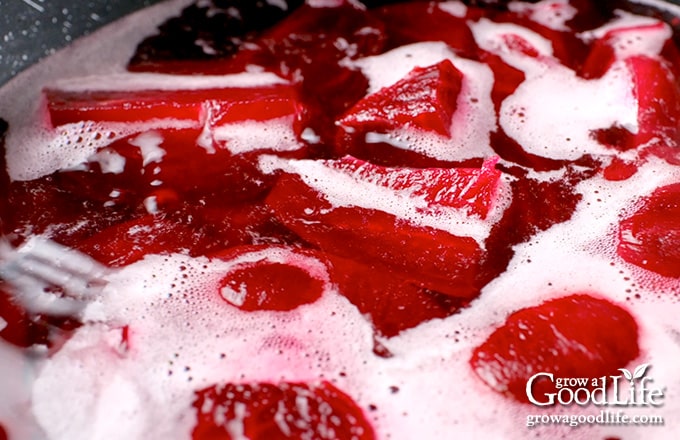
[[34, 5]]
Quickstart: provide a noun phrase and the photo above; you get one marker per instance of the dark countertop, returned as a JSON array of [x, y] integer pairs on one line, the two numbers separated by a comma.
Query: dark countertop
[[33, 29]]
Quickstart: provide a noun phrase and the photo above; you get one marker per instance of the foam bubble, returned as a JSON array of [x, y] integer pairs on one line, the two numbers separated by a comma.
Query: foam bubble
[[633, 35], [553, 14], [273, 135], [561, 126], [455, 8], [149, 144], [182, 336], [72, 145], [490, 36]]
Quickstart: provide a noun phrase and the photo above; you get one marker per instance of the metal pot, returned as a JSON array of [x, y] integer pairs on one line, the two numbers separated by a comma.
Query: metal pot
[[33, 29]]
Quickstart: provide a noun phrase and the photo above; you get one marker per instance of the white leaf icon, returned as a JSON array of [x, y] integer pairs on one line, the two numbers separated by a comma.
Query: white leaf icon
[[626, 373], [640, 371]]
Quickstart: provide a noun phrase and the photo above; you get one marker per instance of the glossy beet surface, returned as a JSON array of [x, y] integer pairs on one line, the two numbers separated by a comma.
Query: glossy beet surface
[[320, 188], [544, 338]]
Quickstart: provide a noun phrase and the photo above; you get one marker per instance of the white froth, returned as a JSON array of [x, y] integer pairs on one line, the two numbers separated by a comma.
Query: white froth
[[438, 146], [131, 82], [493, 37], [149, 144], [343, 189], [167, 304], [394, 139], [184, 337], [243, 137], [560, 125], [109, 161], [96, 405], [386, 69], [151, 204], [72, 145], [309, 135], [455, 8], [474, 118], [632, 35], [557, 125], [553, 14], [17, 373]]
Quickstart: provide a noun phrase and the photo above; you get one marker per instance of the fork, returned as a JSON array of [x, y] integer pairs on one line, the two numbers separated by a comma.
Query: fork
[[47, 277]]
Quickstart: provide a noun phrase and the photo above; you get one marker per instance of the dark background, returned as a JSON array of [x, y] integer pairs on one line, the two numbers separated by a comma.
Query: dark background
[[32, 29]]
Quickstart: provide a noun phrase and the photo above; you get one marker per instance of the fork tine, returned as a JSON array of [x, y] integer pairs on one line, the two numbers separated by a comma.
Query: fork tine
[[78, 285], [31, 293], [48, 277], [66, 258]]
